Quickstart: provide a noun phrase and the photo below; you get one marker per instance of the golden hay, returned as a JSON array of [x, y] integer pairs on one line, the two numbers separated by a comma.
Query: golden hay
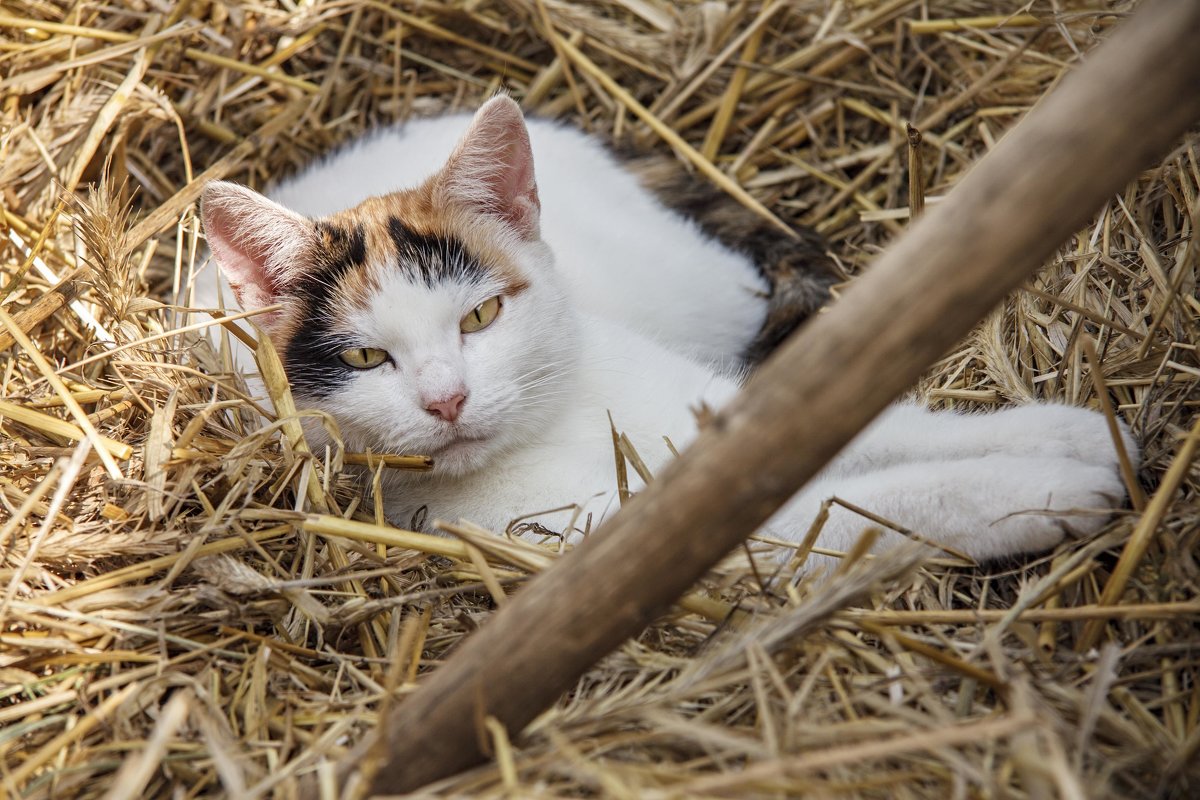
[[187, 608]]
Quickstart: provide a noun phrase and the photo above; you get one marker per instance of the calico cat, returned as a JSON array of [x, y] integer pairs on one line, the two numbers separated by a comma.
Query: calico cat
[[494, 322]]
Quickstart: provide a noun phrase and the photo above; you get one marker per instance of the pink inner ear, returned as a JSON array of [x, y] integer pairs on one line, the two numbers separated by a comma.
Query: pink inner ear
[[491, 170], [245, 267], [258, 244]]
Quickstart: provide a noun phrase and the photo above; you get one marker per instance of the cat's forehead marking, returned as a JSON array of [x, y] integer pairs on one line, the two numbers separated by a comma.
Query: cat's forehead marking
[[432, 259], [431, 244], [343, 251], [346, 243]]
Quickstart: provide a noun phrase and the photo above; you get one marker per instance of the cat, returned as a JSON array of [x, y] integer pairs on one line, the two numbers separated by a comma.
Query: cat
[[495, 321]]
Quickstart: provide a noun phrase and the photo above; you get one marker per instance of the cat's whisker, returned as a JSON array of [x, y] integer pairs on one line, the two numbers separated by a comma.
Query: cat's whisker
[[548, 371], [549, 368], [550, 380], [541, 399]]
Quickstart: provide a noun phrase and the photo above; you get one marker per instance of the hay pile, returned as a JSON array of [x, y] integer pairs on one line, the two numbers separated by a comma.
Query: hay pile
[[176, 619]]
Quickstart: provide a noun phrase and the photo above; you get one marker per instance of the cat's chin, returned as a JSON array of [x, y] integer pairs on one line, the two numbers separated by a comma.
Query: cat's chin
[[462, 456]]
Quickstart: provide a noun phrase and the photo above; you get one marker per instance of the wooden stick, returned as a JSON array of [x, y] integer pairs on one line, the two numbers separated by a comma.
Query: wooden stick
[[1125, 104], [916, 180]]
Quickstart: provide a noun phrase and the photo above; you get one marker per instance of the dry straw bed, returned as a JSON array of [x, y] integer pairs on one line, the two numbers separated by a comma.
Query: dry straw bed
[[193, 604]]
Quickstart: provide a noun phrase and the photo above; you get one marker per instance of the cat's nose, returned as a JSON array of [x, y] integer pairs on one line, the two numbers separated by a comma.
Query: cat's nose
[[447, 409]]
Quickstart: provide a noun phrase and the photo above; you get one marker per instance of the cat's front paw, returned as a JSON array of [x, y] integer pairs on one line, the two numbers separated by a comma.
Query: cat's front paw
[[988, 507], [1062, 498], [1052, 430]]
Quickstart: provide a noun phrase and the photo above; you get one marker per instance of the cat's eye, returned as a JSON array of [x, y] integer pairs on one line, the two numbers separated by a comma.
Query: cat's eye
[[363, 357], [480, 316]]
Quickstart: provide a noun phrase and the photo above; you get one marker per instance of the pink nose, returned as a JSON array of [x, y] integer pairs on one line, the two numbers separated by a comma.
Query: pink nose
[[447, 409]]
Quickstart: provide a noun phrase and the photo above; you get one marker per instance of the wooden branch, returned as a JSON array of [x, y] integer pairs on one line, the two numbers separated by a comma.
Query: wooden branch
[[1128, 101]]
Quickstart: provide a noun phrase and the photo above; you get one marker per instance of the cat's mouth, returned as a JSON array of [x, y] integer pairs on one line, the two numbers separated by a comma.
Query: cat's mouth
[[460, 455], [455, 446]]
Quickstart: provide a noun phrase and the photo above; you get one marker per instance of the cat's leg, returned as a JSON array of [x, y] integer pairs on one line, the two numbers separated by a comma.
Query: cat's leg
[[986, 507], [906, 434]]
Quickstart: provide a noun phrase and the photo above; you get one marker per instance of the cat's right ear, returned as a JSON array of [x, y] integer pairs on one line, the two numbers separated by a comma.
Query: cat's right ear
[[260, 245]]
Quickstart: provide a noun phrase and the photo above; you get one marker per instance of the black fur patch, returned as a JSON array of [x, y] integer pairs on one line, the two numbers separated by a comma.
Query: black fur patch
[[348, 246], [433, 259], [313, 366]]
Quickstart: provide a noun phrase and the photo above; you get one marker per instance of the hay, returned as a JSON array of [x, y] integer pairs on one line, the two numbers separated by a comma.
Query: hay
[[187, 606]]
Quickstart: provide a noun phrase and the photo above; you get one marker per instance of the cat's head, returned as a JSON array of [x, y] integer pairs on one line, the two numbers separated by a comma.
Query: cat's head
[[428, 321]]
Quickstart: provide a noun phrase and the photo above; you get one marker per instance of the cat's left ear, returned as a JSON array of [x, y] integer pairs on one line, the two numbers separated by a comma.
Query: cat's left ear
[[491, 169]]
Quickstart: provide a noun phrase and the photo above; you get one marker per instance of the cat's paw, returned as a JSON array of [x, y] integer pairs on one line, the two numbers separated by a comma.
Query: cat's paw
[[1059, 499], [988, 507], [1052, 430]]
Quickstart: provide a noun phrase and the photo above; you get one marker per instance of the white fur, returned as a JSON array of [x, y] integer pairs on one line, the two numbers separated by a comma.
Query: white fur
[[630, 322]]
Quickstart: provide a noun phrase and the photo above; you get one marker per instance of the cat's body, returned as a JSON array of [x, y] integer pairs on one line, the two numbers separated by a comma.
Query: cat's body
[[438, 320]]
